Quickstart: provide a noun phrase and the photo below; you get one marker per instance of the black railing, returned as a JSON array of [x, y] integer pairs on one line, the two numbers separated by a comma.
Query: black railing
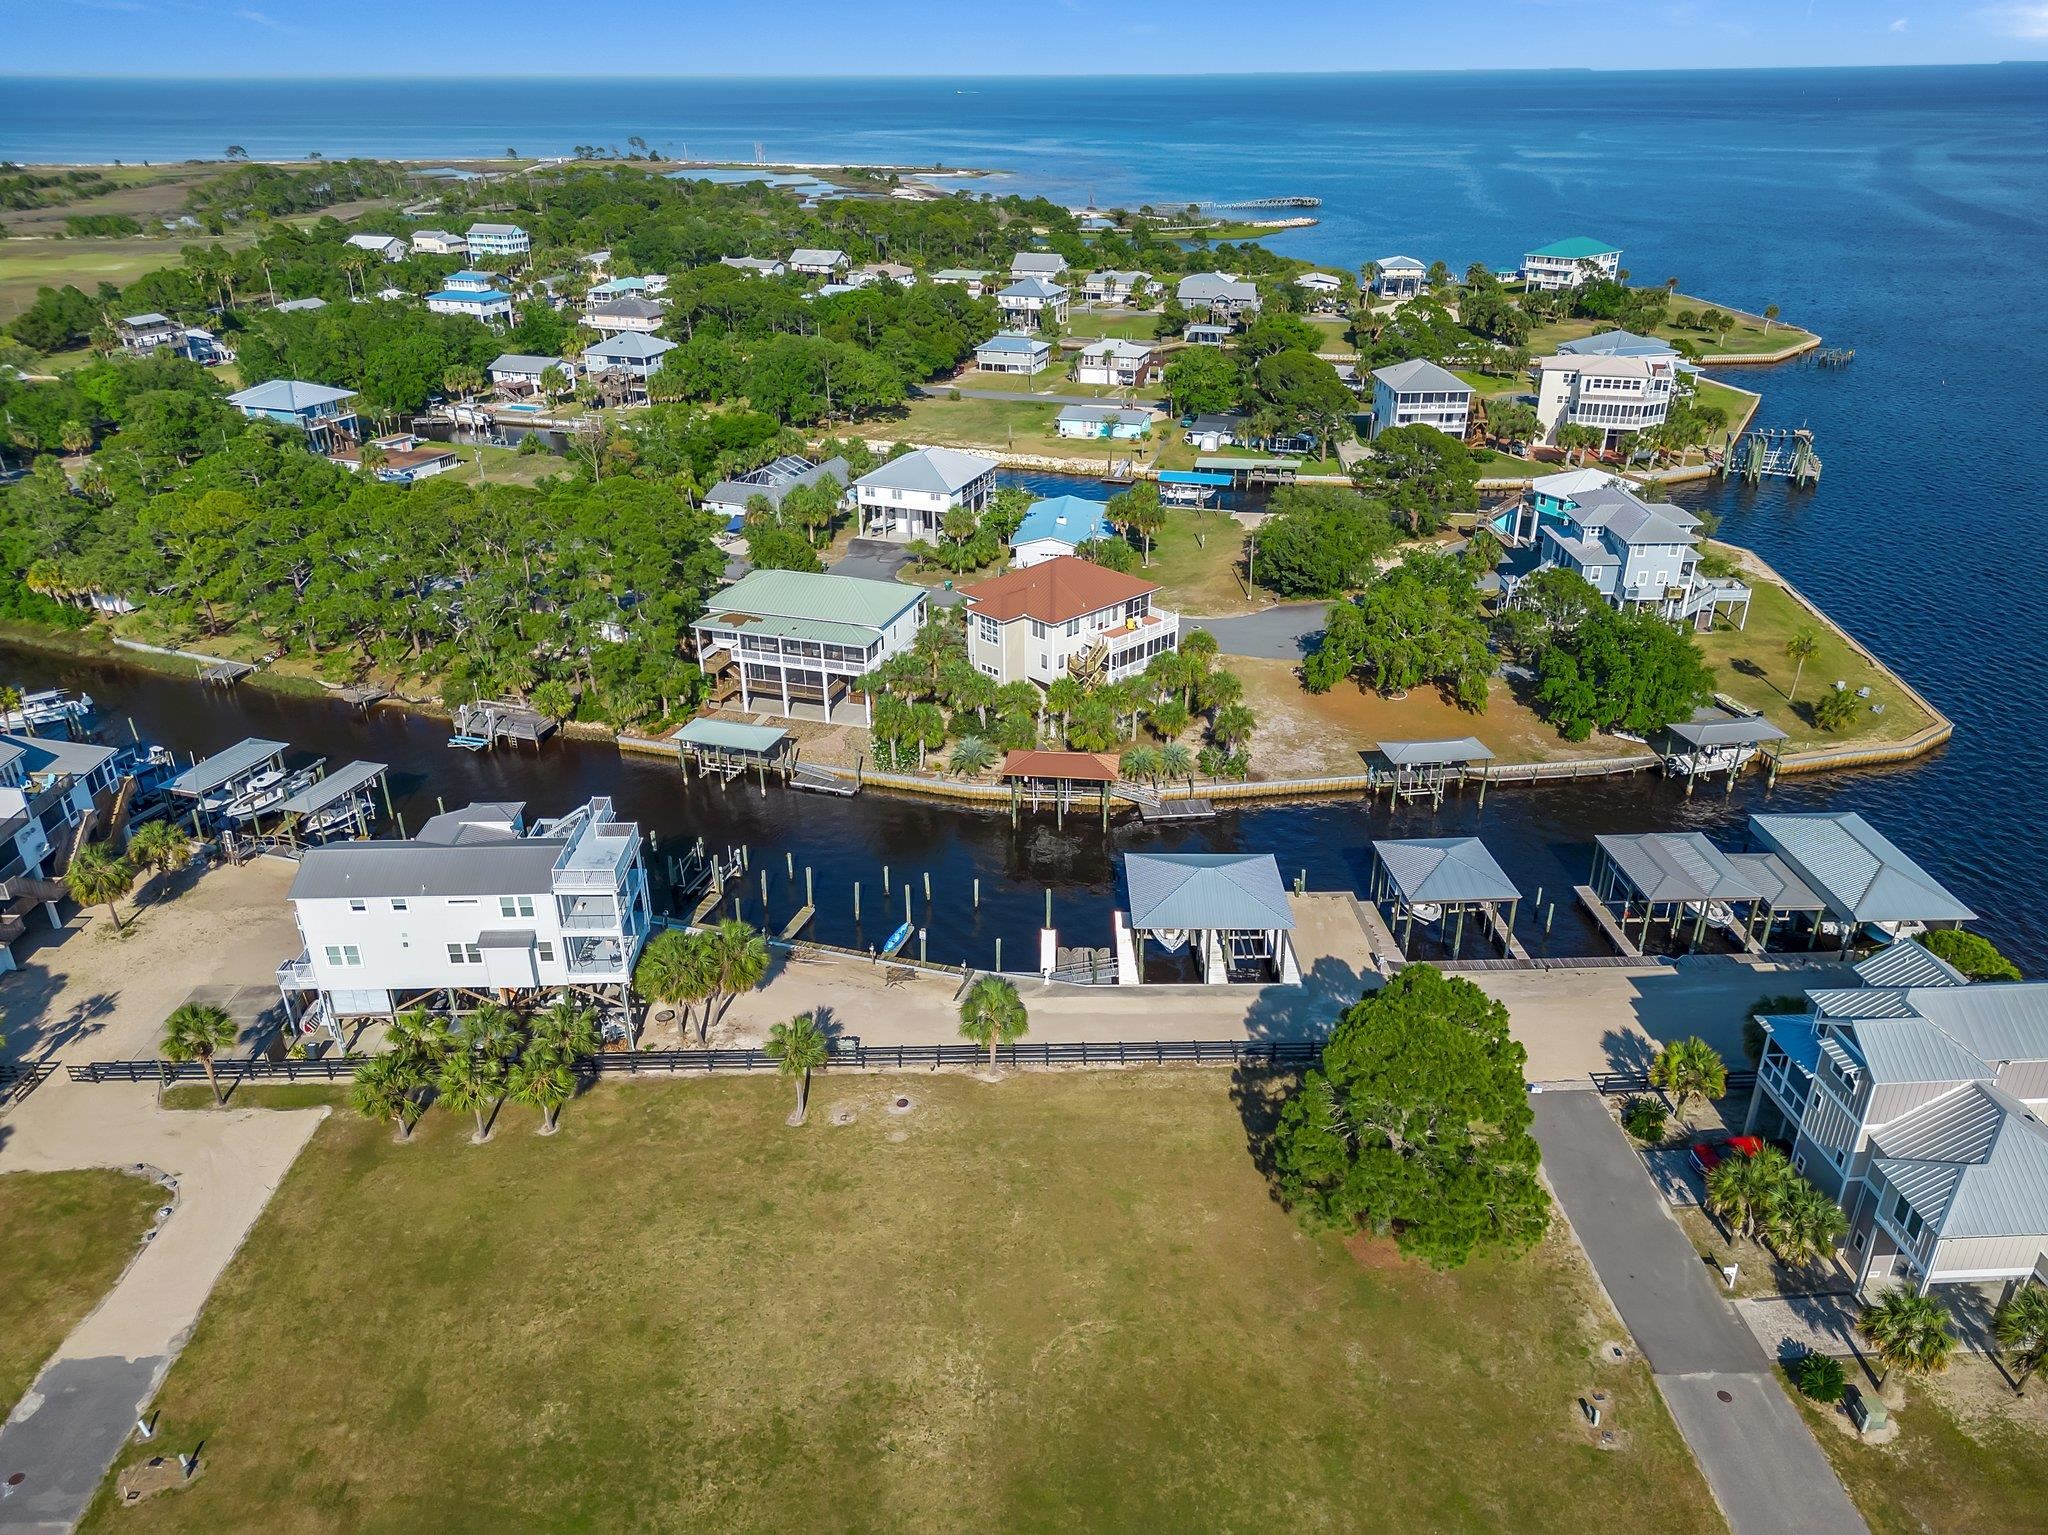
[[20, 1078], [1639, 1082], [1148, 1052]]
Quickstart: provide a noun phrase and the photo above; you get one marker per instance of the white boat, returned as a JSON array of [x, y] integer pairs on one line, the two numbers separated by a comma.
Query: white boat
[[339, 816], [265, 791], [1171, 939], [53, 706], [1426, 912]]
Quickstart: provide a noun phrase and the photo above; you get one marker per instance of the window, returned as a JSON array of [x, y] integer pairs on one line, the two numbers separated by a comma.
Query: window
[[986, 627], [546, 952], [358, 905], [465, 954], [344, 954], [515, 905], [1859, 1239], [398, 903]]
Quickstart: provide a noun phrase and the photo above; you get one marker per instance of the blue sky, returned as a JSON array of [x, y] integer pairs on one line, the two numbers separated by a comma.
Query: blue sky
[[796, 37]]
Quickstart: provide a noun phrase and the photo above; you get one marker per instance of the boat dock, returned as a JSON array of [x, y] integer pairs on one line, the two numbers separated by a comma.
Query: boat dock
[[481, 726], [802, 775], [226, 673], [1604, 920], [1159, 811], [342, 796]]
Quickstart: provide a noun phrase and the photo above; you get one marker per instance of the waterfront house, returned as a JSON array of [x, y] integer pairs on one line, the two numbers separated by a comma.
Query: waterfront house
[[1618, 343], [438, 242], [755, 265], [771, 483], [1066, 617], [1916, 1100], [1118, 364], [1122, 424], [1419, 393], [1614, 395], [1046, 264], [299, 305], [405, 458], [1111, 286], [326, 415], [1399, 277], [1029, 301], [520, 372], [809, 262], [485, 241], [1206, 335], [462, 295], [1323, 284], [651, 286], [146, 333], [626, 352], [1216, 429], [479, 907], [973, 279], [1217, 919], [385, 247], [1568, 263], [907, 497], [792, 642], [883, 271], [47, 789], [1225, 299], [1633, 553], [1009, 351], [1055, 526], [640, 315]]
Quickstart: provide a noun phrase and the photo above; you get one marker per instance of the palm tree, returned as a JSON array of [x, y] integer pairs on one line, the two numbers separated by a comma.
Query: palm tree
[[1836, 710], [565, 1034], [1745, 1191], [971, 755], [554, 381], [740, 959], [2021, 1328], [674, 968], [1176, 761], [993, 1014], [74, 437], [798, 1049], [1063, 696], [97, 878], [1801, 647], [544, 1082], [1139, 764], [1806, 1225], [385, 1088], [1690, 1068], [199, 1031], [10, 696], [472, 1081], [162, 847], [1909, 1331], [492, 1030], [1232, 725]]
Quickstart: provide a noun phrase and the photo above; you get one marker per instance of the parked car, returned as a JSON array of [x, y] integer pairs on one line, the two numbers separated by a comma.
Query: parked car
[[1708, 1155]]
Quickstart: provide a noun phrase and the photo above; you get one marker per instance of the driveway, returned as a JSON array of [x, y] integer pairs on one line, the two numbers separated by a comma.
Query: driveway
[[1283, 633], [1756, 1452]]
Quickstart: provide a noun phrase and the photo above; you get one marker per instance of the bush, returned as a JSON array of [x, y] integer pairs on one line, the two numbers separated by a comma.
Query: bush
[[1819, 1377], [1644, 1117], [1972, 953]]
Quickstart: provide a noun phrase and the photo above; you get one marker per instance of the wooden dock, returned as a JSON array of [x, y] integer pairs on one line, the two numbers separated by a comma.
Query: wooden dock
[[798, 923], [1386, 953], [1604, 920], [361, 695], [819, 781], [1161, 810], [1504, 935], [226, 673]]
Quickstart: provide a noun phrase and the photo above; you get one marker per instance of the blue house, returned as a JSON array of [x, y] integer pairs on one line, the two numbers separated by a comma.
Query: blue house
[[1055, 526], [1121, 424], [326, 415]]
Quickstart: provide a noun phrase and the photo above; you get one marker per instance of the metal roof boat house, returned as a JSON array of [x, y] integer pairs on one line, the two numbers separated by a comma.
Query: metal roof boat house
[[1916, 1100], [1215, 918], [478, 907], [1863, 879], [792, 642], [1436, 882], [1424, 769]]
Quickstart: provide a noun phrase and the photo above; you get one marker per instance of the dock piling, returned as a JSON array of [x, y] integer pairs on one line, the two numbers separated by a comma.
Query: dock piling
[[977, 892], [927, 887], [856, 902]]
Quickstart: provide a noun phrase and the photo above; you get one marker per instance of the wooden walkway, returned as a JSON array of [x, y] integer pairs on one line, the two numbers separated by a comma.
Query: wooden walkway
[[798, 923], [1604, 920], [1386, 953], [1505, 936]]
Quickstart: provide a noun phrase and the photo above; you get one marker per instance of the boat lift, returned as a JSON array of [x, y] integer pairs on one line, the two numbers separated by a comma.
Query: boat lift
[[212, 784], [327, 806]]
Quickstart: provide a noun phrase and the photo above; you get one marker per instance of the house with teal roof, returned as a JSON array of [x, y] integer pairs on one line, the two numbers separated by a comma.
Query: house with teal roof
[[1568, 263], [1055, 526]]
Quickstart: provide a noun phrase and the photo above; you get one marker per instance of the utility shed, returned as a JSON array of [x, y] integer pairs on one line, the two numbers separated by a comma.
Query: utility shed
[[1437, 882], [1227, 912]]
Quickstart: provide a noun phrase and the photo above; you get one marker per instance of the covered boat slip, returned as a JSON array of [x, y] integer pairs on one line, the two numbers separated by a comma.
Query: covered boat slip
[[1434, 884], [1059, 781], [1715, 740], [726, 748], [1214, 919], [228, 769], [1676, 889], [1423, 769], [344, 798], [1857, 875]]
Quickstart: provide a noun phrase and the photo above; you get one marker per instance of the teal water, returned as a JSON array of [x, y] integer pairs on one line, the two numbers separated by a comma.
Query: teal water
[[1900, 212]]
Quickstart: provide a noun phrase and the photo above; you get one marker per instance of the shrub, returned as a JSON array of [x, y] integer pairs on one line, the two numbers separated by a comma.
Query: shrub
[[1644, 1117], [1819, 1377], [1972, 953]]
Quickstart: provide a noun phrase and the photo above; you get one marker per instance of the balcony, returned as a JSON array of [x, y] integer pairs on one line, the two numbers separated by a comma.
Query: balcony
[[297, 975]]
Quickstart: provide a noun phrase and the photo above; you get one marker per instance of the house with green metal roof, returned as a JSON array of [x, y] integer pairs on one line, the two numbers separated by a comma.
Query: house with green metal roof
[[1568, 263], [791, 642]]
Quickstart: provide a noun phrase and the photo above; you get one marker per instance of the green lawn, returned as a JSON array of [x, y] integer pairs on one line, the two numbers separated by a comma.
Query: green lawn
[[1987, 1474], [26, 265], [1113, 324], [68, 1236], [1746, 337], [1750, 664], [1195, 560], [1058, 1302]]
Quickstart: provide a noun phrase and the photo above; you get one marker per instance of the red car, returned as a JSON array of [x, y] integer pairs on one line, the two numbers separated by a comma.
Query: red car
[[1707, 1155]]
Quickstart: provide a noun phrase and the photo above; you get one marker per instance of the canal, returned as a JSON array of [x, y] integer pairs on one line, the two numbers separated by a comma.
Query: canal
[[1541, 834]]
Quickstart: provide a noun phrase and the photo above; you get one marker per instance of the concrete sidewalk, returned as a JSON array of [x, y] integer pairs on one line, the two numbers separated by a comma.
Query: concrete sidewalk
[[1763, 1465]]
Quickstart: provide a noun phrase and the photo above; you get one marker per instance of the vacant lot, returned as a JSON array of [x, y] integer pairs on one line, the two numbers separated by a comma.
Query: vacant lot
[[1750, 336], [1052, 1303], [67, 1236], [26, 265]]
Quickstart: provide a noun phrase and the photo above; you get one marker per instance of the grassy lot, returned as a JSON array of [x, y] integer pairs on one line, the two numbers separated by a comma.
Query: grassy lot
[[1113, 324], [258, 1095], [1968, 1457], [1058, 1302], [1736, 403], [1020, 426], [507, 466], [26, 265], [1195, 559], [1488, 385], [1496, 465], [1750, 664], [68, 1237], [1746, 337]]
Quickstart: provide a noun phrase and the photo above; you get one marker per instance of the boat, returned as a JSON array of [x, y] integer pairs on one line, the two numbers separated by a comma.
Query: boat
[[342, 815], [53, 706], [1426, 912], [1171, 939], [264, 792], [896, 941]]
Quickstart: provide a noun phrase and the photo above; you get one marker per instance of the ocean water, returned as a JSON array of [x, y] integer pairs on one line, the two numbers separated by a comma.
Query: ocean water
[[1901, 212]]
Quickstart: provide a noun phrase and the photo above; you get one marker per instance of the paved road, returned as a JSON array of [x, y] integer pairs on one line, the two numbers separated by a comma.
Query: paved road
[[1283, 633], [879, 559], [1758, 1456]]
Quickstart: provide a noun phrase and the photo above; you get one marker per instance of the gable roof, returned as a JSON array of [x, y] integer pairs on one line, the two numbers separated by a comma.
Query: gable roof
[[289, 394], [805, 255], [1973, 1163], [1577, 248], [1418, 374], [1014, 341], [1206, 890], [631, 308], [629, 346], [1207, 287], [1860, 873], [495, 229], [936, 471], [1676, 866], [1048, 263], [522, 362], [1115, 351], [1908, 963], [1097, 414], [1070, 519], [39, 754], [1054, 591]]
